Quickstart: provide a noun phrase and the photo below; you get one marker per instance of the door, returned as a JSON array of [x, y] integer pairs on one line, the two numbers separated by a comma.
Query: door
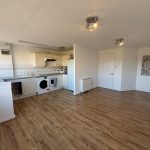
[[106, 70], [29, 86], [53, 82]]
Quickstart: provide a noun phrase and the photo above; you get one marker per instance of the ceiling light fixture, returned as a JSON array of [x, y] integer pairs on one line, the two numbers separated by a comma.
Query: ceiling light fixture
[[120, 42], [92, 23]]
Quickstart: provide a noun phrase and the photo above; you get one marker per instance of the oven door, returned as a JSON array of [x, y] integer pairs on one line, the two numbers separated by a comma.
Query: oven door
[[53, 82]]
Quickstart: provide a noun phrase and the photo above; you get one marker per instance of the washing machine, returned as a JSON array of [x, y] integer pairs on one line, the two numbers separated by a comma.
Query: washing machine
[[42, 85]]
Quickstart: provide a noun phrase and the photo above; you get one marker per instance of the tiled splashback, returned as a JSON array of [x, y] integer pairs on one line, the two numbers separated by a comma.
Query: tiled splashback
[[35, 71], [7, 72]]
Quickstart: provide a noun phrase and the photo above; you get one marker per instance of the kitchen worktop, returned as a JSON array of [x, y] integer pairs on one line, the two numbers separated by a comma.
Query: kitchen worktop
[[25, 77]]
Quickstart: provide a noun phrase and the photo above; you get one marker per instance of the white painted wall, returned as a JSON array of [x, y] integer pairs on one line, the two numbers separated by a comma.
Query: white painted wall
[[86, 66], [129, 69], [142, 82], [6, 102]]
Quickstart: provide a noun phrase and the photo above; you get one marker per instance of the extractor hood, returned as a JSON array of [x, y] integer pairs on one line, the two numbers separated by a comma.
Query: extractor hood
[[49, 59], [49, 62]]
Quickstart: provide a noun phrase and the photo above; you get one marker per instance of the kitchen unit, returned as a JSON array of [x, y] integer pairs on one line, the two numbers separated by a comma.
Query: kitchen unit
[[6, 102], [70, 74], [37, 71], [48, 60], [28, 86], [39, 84], [22, 87], [65, 83]]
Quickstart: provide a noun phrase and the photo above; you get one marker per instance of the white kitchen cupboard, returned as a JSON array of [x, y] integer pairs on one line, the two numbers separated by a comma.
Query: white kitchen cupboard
[[64, 59], [40, 60], [6, 102], [70, 74], [58, 60], [29, 86], [70, 67], [65, 83], [59, 81]]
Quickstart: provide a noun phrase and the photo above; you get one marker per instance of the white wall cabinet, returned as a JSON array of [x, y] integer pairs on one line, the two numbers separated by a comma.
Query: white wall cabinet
[[39, 60], [65, 59], [58, 60], [29, 86], [40, 57]]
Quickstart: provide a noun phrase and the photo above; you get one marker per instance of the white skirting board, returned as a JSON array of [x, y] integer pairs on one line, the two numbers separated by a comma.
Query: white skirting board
[[86, 84]]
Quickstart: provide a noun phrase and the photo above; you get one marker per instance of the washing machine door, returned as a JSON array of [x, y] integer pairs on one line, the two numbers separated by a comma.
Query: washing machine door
[[43, 84]]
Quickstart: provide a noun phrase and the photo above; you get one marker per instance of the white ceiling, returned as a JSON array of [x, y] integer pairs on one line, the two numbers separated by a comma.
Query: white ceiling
[[62, 22]]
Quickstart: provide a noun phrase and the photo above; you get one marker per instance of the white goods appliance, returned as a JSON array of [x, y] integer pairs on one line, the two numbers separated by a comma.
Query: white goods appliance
[[70, 74], [86, 84], [52, 83], [42, 85]]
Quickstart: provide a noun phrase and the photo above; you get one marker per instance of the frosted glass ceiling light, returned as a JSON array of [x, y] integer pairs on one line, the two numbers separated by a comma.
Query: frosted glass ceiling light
[[92, 23]]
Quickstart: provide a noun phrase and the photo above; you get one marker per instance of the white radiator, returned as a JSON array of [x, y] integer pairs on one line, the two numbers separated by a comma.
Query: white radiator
[[86, 84]]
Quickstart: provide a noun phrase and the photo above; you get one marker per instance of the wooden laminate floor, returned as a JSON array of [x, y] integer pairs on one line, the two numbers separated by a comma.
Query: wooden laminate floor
[[98, 120]]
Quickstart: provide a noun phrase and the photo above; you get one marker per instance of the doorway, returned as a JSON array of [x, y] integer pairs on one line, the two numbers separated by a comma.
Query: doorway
[[106, 70]]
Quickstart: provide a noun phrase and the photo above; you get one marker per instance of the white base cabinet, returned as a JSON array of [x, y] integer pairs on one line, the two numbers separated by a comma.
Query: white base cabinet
[[29, 86], [60, 81], [6, 102], [65, 83]]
